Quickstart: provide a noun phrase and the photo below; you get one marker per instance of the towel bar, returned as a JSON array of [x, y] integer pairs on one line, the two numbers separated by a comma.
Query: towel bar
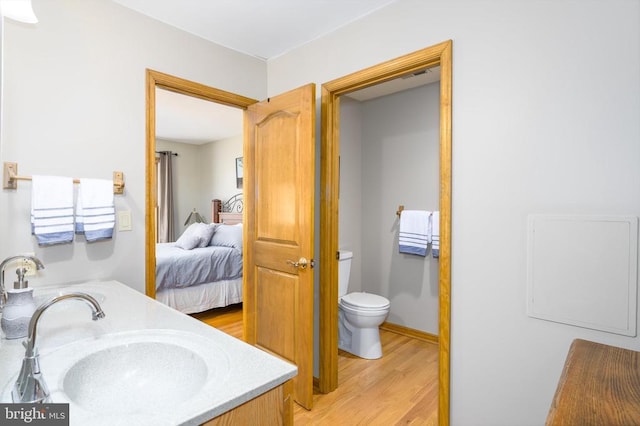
[[10, 178], [399, 211]]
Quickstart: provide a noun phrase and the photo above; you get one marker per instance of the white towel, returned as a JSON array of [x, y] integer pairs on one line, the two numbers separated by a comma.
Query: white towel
[[435, 234], [415, 232], [52, 209], [95, 211]]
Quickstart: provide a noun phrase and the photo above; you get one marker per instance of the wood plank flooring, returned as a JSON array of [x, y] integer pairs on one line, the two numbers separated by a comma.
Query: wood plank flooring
[[228, 319], [401, 388]]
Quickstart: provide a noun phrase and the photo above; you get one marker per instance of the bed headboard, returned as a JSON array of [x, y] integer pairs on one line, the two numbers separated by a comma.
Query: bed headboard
[[228, 212]]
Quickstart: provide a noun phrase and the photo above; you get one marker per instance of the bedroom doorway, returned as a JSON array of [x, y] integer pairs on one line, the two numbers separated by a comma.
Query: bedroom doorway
[[282, 126], [156, 80], [438, 55]]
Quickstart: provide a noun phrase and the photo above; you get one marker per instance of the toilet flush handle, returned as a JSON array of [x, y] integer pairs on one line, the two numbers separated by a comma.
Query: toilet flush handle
[[301, 263]]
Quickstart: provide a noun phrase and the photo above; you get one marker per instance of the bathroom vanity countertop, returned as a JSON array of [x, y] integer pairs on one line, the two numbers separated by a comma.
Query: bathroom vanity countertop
[[599, 385], [251, 372]]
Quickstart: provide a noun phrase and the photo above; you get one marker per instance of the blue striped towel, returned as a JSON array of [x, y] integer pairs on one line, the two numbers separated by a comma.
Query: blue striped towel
[[415, 232], [95, 210], [52, 209], [435, 232]]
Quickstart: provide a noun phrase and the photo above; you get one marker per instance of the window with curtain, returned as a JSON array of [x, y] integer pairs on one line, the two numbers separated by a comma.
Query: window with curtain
[[164, 200]]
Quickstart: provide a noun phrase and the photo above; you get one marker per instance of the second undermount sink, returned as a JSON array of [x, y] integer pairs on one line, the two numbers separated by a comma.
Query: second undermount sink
[[126, 377]]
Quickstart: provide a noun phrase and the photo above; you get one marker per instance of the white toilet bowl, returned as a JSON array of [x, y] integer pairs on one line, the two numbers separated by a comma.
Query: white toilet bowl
[[359, 316]]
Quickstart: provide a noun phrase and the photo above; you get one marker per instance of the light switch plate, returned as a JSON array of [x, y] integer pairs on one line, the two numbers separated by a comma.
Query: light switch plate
[[124, 220]]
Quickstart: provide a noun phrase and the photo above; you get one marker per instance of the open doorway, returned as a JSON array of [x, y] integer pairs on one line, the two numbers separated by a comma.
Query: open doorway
[[275, 119], [389, 162], [198, 191], [438, 55], [200, 141]]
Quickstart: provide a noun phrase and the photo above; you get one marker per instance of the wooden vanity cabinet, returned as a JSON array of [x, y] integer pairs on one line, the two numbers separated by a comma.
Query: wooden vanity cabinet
[[274, 407]]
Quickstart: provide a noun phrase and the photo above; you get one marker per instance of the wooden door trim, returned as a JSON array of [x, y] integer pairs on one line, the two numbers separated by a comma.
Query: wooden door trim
[[440, 54], [186, 87]]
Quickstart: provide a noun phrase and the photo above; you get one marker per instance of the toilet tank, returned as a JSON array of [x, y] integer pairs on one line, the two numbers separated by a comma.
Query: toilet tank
[[344, 269]]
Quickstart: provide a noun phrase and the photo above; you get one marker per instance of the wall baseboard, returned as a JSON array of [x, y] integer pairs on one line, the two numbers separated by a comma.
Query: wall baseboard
[[410, 332]]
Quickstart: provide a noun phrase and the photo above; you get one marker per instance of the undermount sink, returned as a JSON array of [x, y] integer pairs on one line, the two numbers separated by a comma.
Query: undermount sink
[[145, 373], [126, 377]]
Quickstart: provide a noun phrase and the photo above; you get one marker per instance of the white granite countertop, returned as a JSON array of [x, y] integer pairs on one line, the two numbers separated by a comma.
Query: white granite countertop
[[237, 372]]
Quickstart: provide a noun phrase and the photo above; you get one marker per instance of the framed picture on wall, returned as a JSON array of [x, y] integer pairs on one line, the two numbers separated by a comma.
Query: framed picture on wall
[[239, 172]]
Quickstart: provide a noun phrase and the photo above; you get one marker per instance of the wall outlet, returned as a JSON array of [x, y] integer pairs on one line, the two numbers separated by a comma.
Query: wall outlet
[[30, 266]]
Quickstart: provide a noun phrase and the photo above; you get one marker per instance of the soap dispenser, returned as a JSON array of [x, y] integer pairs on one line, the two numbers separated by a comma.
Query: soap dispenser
[[19, 308]]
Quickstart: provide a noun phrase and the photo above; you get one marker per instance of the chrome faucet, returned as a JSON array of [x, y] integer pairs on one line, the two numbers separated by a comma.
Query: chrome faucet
[[3, 292], [30, 386]]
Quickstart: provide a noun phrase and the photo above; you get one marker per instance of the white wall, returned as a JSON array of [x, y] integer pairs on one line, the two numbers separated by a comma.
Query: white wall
[[350, 201], [74, 104], [389, 155], [202, 173], [546, 100], [218, 165], [400, 158]]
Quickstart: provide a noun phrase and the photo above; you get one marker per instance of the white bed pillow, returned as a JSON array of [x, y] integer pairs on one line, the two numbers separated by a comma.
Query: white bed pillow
[[196, 235], [228, 236]]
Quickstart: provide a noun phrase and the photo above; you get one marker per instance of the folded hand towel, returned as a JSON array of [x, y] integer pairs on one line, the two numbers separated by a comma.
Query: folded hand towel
[[435, 234], [52, 209], [415, 226], [95, 210]]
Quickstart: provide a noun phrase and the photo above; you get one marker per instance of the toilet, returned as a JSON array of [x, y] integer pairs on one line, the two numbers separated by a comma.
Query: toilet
[[359, 315]]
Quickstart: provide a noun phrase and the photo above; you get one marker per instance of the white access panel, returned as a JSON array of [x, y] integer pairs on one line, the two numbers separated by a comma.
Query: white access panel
[[582, 270]]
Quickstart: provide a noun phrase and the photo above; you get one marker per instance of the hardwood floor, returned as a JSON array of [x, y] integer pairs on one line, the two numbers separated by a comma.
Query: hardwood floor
[[228, 319], [399, 388]]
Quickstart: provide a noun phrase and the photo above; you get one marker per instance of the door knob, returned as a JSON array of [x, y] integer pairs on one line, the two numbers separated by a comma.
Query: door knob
[[301, 263]]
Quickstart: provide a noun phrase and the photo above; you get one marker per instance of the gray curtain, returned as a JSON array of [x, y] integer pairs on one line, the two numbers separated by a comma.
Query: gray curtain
[[164, 222]]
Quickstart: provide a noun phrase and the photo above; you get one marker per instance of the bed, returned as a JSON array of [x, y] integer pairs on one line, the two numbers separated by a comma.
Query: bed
[[202, 270], [229, 212]]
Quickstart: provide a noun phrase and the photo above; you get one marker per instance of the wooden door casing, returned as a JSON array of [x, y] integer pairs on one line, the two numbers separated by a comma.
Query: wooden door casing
[[436, 55]]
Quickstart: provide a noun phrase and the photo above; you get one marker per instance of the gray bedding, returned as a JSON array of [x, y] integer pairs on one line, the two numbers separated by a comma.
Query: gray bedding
[[179, 268]]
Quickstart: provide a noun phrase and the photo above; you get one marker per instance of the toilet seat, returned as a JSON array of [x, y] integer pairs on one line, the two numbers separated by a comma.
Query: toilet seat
[[361, 301]]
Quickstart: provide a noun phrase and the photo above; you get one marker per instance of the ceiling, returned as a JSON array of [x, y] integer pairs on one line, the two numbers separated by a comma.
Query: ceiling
[[186, 119], [409, 81], [260, 28]]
